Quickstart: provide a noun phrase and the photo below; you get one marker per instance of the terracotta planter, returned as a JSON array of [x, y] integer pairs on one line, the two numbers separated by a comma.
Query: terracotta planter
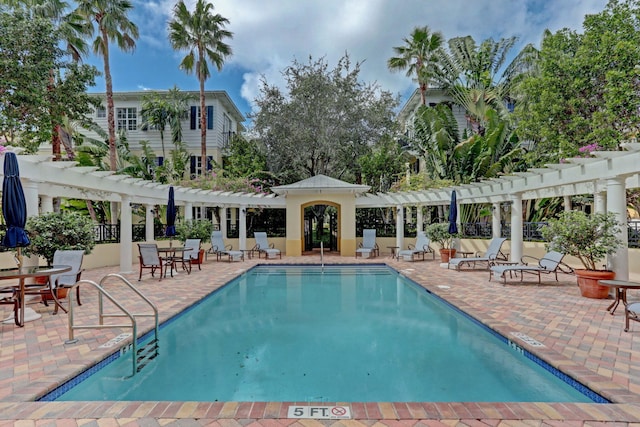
[[200, 259], [446, 254], [588, 283], [60, 294]]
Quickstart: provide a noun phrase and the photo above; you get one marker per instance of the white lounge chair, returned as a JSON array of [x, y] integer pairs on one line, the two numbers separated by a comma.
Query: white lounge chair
[[368, 245], [72, 258], [492, 253], [220, 249], [264, 247], [420, 248], [191, 253], [550, 263]]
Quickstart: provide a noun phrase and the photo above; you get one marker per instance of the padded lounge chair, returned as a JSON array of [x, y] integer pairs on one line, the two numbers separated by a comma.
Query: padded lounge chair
[[150, 259], [550, 263], [419, 249], [221, 250], [71, 258], [492, 253], [368, 245], [264, 247]]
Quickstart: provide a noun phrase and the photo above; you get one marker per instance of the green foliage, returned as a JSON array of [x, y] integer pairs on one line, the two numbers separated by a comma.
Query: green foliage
[[587, 237], [245, 158], [325, 122], [439, 233], [194, 229], [383, 164], [587, 86], [52, 231]]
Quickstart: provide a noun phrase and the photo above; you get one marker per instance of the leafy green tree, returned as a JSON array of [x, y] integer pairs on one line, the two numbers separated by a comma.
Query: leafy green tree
[[108, 20], [202, 34], [160, 110], [325, 122], [244, 158], [420, 56], [587, 86], [383, 165]]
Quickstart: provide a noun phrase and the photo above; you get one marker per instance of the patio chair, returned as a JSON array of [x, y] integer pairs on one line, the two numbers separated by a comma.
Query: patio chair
[[9, 296], [150, 259], [550, 263], [264, 247], [420, 248], [63, 281], [368, 245], [492, 253], [190, 253], [221, 250]]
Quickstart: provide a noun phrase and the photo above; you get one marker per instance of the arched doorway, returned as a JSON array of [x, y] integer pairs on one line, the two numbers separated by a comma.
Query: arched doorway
[[320, 226]]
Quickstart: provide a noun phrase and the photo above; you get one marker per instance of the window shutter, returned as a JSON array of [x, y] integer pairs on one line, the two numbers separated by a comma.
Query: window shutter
[[194, 117], [209, 163], [160, 160], [209, 116], [193, 166]]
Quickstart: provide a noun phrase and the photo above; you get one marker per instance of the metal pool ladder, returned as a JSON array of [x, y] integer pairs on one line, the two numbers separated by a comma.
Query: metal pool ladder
[[141, 356], [322, 255]]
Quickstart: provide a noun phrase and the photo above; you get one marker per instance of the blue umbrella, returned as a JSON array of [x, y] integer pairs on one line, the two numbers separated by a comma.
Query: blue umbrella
[[170, 231], [453, 214], [14, 207]]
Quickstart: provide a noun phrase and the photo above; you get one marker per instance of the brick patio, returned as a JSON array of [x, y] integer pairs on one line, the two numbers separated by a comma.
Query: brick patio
[[579, 336]]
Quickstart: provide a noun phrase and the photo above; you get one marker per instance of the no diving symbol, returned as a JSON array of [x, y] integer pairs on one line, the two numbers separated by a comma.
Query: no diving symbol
[[338, 411]]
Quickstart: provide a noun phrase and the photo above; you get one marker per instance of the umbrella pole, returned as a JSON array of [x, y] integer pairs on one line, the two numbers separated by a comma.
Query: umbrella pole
[[18, 257]]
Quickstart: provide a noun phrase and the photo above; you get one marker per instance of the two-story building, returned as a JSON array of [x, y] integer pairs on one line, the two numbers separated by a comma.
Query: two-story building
[[223, 121]]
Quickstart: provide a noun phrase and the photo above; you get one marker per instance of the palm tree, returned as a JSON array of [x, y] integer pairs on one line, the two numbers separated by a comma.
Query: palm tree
[[420, 56], [112, 25], [202, 35]]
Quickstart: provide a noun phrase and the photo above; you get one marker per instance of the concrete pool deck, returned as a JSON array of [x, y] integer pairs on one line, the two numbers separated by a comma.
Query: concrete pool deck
[[577, 335]]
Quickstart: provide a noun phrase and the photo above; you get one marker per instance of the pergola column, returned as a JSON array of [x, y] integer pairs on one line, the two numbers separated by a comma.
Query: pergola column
[[242, 228], [516, 227], [188, 211], [599, 199], [567, 203], [223, 221], [496, 224], [148, 223], [126, 238], [617, 204], [399, 226], [419, 219], [46, 203]]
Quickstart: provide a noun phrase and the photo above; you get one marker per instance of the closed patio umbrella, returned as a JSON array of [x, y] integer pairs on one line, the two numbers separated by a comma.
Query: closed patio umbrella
[[453, 214], [14, 207], [170, 231]]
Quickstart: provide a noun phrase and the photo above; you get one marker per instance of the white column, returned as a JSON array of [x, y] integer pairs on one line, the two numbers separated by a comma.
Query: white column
[[223, 221], [567, 203], [148, 223], [617, 204], [516, 227], [242, 227], [399, 226], [30, 190], [188, 211], [496, 224], [419, 219], [599, 200], [46, 203], [126, 263]]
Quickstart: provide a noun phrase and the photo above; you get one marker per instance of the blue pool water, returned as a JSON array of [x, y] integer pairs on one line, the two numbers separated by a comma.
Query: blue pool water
[[345, 334]]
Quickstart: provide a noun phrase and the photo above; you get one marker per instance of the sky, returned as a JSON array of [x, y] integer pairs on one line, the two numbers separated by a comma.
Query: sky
[[268, 35]]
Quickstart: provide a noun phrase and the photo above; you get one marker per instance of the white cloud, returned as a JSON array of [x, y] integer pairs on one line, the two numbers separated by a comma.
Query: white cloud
[[269, 34]]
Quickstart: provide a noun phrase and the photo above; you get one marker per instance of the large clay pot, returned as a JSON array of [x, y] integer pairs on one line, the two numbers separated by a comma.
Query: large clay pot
[[445, 254], [589, 285]]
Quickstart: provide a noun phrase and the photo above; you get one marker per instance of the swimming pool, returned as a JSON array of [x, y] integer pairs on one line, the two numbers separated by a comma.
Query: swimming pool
[[338, 334]]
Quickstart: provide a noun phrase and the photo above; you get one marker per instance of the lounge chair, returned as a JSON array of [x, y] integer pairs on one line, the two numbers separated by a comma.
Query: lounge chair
[[150, 259], [264, 247], [72, 258], [421, 248], [221, 250], [550, 263], [368, 245], [492, 253]]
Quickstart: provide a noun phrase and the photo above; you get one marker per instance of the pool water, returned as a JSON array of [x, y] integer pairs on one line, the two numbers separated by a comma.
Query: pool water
[[338, 334]]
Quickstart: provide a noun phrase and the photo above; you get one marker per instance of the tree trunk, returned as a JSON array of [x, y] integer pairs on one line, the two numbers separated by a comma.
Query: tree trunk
[[203, 128]]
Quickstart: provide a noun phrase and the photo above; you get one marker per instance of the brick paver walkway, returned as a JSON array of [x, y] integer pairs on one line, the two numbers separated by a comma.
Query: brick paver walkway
[[578, 335]]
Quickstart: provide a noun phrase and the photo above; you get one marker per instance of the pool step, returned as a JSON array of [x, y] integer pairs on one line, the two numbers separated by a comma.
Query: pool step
[[147, 353]]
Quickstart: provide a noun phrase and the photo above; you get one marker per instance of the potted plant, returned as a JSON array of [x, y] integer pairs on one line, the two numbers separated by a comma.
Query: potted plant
[[589, 238], [65, 231], [439, 234], [195, 229]]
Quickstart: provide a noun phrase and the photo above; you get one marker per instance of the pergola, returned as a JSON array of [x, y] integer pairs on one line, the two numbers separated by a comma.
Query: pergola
[[606, 175]]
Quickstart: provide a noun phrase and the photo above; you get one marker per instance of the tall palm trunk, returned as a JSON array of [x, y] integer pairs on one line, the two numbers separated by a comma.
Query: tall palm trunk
[[203, 129], [111, 123]]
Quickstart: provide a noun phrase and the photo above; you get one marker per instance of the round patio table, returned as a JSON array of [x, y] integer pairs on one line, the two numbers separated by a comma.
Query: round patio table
[[620, 289], [29, 272]]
